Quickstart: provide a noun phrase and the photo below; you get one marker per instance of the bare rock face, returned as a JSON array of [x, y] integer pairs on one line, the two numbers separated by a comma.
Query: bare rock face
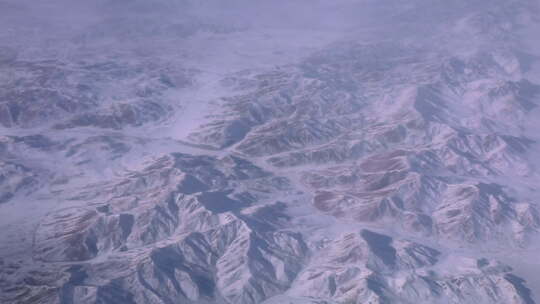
[[165, 153]]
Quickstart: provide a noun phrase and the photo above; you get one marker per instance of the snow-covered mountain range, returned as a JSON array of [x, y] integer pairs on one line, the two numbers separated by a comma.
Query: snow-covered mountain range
[[349, 151]]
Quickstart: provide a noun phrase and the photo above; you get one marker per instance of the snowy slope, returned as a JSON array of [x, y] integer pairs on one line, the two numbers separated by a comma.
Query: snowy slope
[[288, 152]]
